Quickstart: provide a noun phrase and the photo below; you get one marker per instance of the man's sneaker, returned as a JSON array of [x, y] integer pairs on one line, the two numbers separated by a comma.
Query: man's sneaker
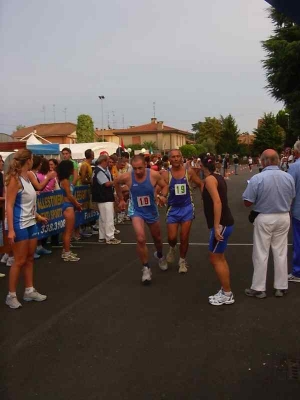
[[36, 256], [34, 296], [220, 292], [2, 275], [10, 261], [65, 254], [280, 292], [12, 301], [4, 258], [103, 241], [183, 267], [113, 241], [70, 257], [42, 251], [255, 293], [162, 262], [220, 298], [117, 231], [171, 255], [147, 274], [292, 278]]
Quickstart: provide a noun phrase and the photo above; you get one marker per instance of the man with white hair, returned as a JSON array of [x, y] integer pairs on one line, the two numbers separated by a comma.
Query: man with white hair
[[271, 193], [294, 171]]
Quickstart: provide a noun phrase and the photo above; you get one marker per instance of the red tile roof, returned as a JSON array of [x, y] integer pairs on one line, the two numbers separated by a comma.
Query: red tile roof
[[152, 127], [47, 130]]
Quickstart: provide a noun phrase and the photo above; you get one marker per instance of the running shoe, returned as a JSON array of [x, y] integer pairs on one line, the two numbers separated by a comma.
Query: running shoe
[[146, 276], [10, 261], [42, 251], [280, 292], [4, 258], [12, 302], [291, 278], [220, 298], [70, 257], [171, 254], [113, 241], [34, 296], [2, 275], [36, 256], [65, 254], [103, 241], [117, 231], [162, 262], [219, 293], [183, 267], [255, 293]]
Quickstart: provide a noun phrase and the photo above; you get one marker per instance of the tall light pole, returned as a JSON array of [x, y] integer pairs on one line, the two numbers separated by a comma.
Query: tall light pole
[[102, 98]]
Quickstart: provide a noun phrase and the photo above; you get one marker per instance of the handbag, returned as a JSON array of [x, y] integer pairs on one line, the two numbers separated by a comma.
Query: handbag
[[253, 214]]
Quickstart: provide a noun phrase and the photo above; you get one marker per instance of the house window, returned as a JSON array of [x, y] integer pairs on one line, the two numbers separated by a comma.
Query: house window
[[136, 140]]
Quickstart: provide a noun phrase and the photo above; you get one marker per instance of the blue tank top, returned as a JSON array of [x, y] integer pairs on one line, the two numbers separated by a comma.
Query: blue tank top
[[64, 192], [179, 191], [142, 200]]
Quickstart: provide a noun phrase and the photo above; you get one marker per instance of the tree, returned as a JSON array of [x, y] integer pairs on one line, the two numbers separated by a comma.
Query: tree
[[18, 127], [150, 145], [269, 135], [282, 66], [211, 128], [228, 142], [188, 150], [85, 129]]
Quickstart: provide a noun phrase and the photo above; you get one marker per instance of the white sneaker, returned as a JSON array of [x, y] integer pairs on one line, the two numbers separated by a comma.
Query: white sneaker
[[183, 267], [70, 257], [12, 302], [171, 254], [10, 261], [116, 232], [147, 274], [4, 258], [220, 298], [113, 241], [34, 296], [292, 278], [65, 254], [162, 262], [2, 275]]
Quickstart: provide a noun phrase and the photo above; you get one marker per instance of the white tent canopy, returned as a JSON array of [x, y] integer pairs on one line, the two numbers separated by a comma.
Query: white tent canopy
[[32, 139], [78, 149]]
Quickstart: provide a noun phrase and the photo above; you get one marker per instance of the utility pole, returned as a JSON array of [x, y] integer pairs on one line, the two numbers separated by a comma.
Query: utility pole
[[154, 104], [65, 112], [102, 99], [54, 112], [44, 111], [123, 120]]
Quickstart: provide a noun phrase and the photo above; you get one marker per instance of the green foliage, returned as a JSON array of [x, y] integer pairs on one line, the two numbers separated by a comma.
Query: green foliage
[[134, 147], [209, 146], [269, 135], [149, 145], [200, 148], [282, 66], [18, 127], [188, 150], [211, 128], [228, 142], [85, 129]]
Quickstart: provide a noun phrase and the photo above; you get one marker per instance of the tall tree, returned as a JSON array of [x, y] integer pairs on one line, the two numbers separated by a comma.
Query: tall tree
[[282, 66], [85, 129], [269, 135], [18, 127], [228, 142]]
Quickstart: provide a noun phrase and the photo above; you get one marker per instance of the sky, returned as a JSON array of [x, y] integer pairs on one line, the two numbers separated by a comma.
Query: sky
[[192, 58]]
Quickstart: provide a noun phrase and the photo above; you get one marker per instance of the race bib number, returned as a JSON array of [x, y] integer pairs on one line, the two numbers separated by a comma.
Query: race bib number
[[143, 201], [180, 189]]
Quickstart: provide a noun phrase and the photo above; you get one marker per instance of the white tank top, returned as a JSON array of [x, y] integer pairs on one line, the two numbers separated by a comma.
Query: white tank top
[[25, 205]]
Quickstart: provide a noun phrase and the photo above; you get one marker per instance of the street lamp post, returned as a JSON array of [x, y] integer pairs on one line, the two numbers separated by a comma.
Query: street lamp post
[[102, 98]]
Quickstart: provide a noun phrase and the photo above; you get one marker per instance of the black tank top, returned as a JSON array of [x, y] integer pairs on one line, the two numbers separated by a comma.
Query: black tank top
[[226, 217]]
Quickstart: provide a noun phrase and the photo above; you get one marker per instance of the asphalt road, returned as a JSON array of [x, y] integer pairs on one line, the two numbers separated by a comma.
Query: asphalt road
[[102, 335]]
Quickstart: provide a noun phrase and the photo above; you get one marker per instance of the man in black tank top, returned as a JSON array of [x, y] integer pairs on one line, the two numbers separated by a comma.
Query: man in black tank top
[[220, 222]]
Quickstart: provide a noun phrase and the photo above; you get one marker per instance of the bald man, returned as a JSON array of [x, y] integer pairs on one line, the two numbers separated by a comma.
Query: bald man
[[271, 193]]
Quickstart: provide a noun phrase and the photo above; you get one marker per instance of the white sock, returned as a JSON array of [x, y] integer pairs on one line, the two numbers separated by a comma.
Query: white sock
[[227, 293], [12, 294], [29, 290]]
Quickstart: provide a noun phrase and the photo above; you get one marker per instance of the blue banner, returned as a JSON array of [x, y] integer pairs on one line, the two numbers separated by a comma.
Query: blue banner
[[49, 205]]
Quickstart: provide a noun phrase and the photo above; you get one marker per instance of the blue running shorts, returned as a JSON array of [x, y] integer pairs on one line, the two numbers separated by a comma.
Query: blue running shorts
[[176, 215], [219, 247], [25, 233]]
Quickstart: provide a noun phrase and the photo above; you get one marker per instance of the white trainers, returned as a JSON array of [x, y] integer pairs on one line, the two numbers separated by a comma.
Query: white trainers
[[292, 278], [65, 254], [10, 261], [70, 257], [4, 258], [147, 275], [2, 275], [113, 241], [220, 298], [12, 302], [34, 296], [171, 254], [183, 267], [162, 262], [116, 232]]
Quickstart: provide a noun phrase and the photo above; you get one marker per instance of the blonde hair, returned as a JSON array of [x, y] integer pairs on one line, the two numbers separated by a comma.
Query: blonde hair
[[17, 164]]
